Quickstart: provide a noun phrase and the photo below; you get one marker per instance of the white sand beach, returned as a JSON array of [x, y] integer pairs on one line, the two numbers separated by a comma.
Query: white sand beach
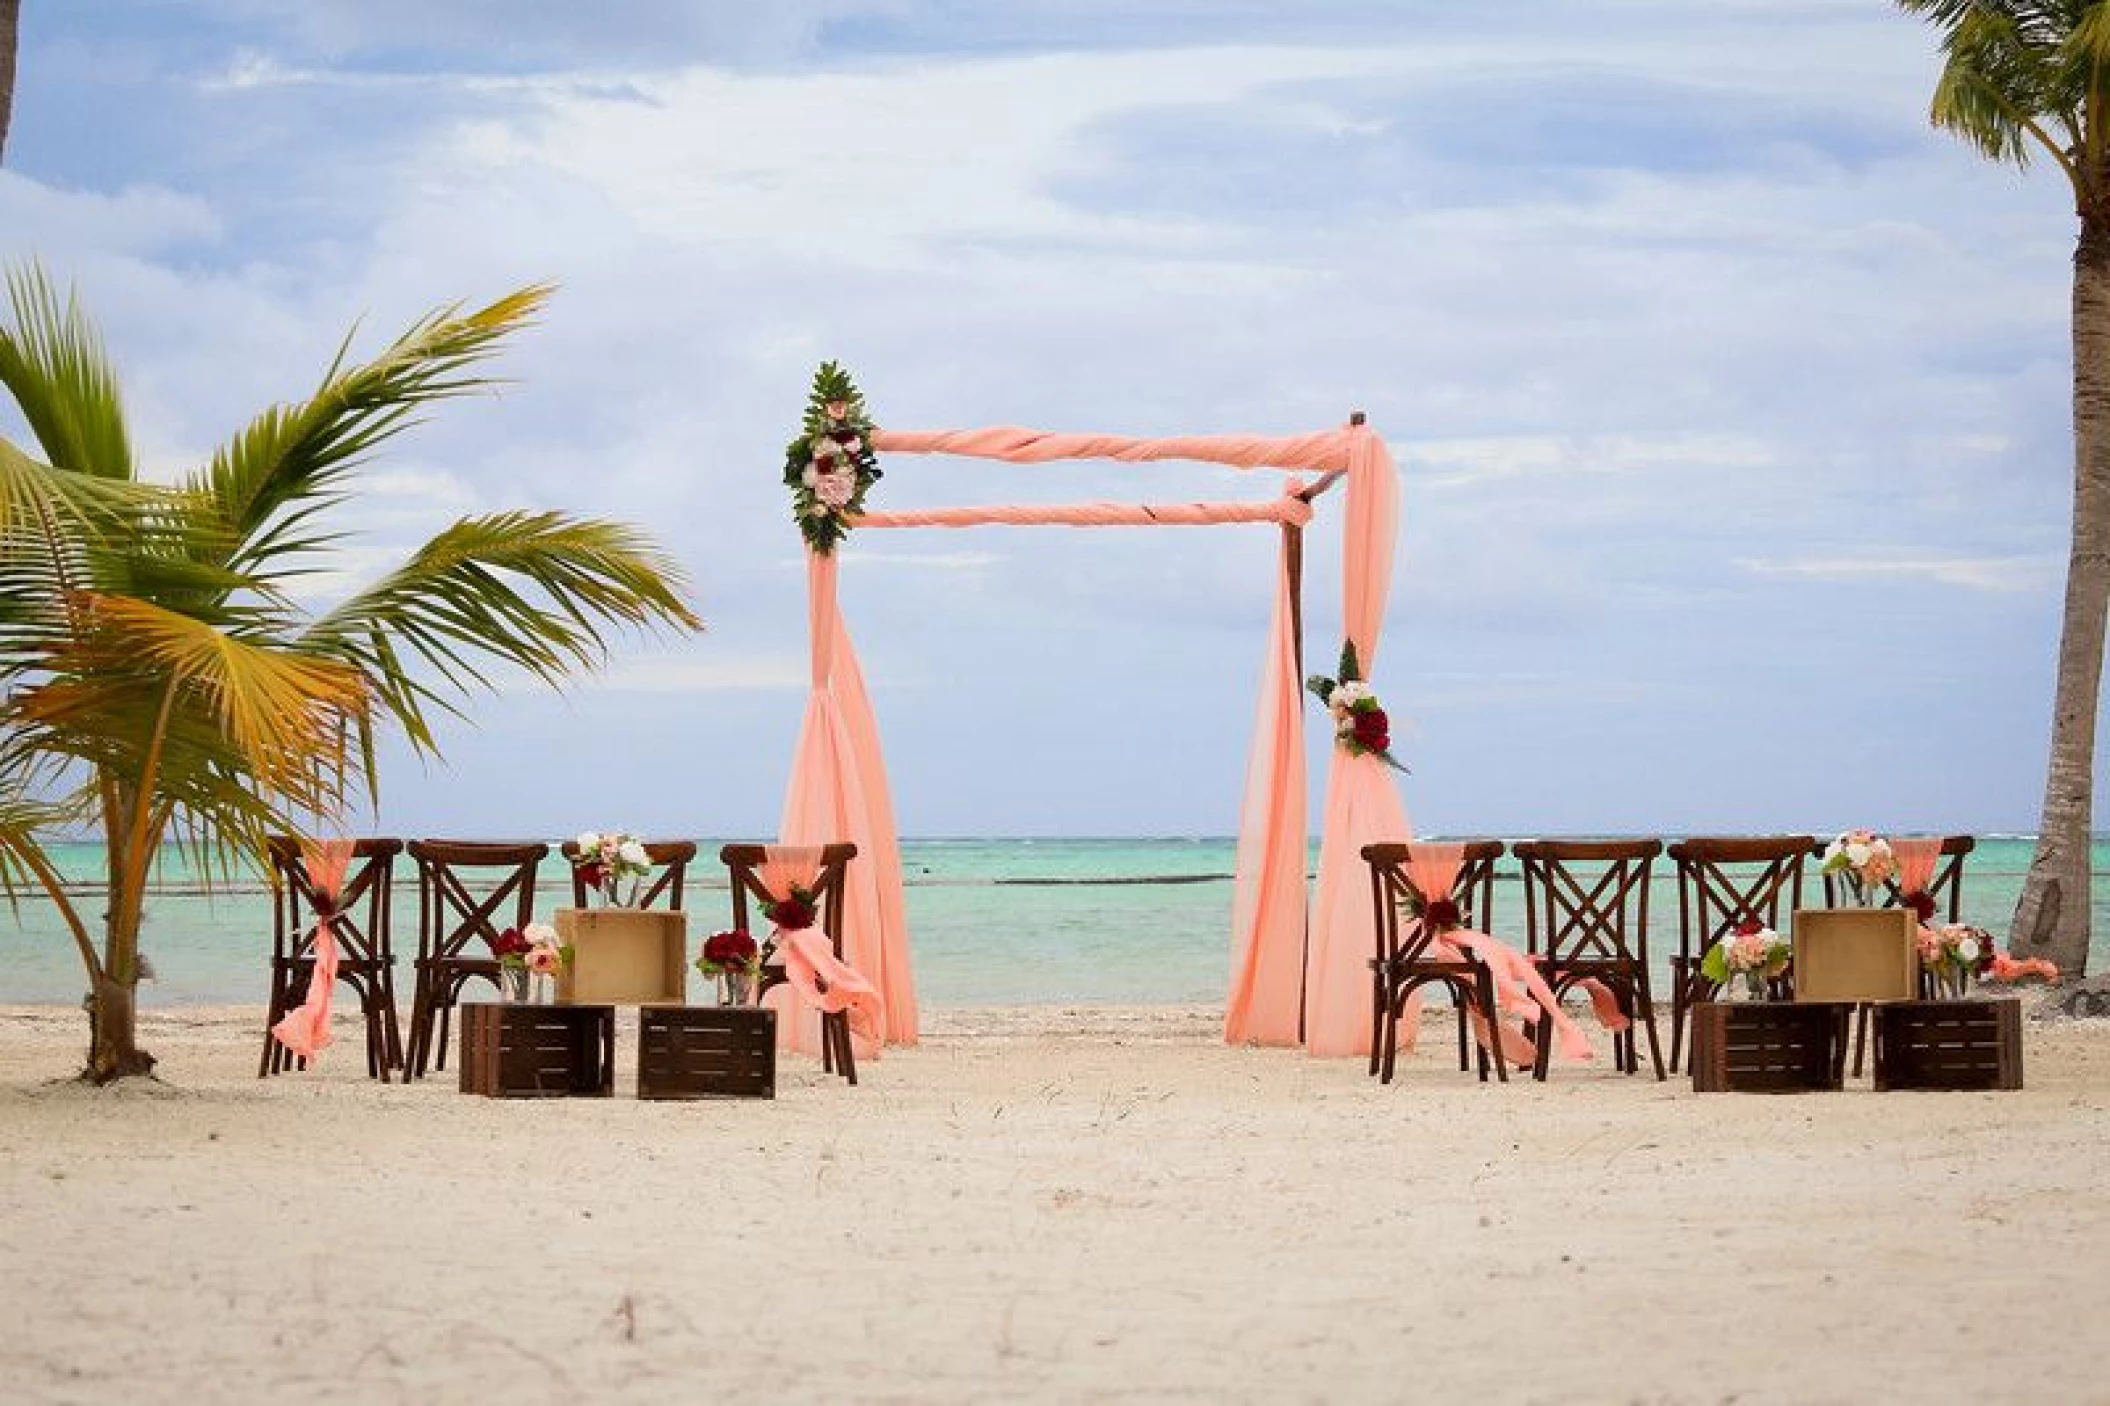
[[1045, 1204]]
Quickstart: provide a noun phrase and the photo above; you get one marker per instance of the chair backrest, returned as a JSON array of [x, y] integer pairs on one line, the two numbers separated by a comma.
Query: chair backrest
[[469, 892], [1724, 880], [1395, 901], [1945, 888], [1569, 917], [670, 859], [743, 864], [359, 912]]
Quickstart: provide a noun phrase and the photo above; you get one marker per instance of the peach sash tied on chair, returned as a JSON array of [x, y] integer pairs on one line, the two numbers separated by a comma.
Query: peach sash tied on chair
[[823, 981], [1916, 857], [306, 1030], [1520, 987]]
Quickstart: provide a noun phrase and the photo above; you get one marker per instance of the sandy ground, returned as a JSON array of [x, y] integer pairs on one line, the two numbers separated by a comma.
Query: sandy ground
[[1045, 1204]]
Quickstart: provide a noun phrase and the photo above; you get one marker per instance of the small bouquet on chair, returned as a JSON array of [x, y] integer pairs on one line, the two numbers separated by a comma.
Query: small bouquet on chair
[[1957, 955], [734, 960], [1866, 859], [1751, 953], [1360, 726], [606, 860]]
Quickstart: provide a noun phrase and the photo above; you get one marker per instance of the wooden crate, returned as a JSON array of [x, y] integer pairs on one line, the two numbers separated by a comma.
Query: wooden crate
[[1768, 1047], [706, 1052], [1971, 1044], [522, 1051], [1856, 954], [623, 956]]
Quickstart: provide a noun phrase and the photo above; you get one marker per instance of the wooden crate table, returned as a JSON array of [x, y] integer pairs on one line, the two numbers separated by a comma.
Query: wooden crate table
[[706, 1052], [1769, 1047], [1969, 1044], [524, 1051]]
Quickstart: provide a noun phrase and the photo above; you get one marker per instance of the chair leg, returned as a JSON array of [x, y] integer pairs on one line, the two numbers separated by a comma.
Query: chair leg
[[1680, 1001], [837, 1025], [420, 1027], [1648, 1014], [1394, 999], [1378, 1003], [388, 1015], [1463, 1005], [274, 1011], [1860, 1036]]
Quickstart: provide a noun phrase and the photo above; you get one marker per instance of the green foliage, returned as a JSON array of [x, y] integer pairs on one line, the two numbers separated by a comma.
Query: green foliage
[[834, 441]]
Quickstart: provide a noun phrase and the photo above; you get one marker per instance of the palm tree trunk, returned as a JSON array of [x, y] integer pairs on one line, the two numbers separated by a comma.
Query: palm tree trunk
[[10, 26], [2052, 917], [113, 1030]]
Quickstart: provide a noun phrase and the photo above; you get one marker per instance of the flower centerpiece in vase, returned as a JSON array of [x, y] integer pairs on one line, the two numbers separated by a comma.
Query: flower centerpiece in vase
[[1957, 955], [1749, 955], [1864, 857], [607, 860], [529, 959], [734, 960]]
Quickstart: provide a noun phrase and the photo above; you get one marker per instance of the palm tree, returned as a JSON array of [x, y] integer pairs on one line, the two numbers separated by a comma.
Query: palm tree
[[10, 29], [158, 680], [2022, 79]]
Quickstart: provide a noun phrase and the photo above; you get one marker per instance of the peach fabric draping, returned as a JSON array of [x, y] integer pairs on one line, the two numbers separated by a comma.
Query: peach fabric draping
[[1520, 987], [1362, 803], [1265, 1002], [1288, 508], [1916, 857], [306, 1030], [812, 972], [1329, 449], [838, 791]]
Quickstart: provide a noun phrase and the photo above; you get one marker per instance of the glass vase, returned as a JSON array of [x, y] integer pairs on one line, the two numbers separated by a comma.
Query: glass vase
[[513, 985], [735, 989], [542, 989]]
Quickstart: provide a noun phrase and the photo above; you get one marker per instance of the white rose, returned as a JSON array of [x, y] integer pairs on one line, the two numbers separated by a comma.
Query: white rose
[[587, 842], [1967, 950], [1857, 854], [810, 477], [632, 852], [540, 932], [1881, 847]]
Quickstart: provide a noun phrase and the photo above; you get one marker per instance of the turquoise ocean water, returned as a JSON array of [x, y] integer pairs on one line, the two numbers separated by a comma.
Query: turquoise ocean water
[[991, 922]]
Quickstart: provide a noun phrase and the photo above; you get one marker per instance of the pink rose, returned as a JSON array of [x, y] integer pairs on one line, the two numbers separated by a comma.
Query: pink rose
[[838, 408], [836, 489]]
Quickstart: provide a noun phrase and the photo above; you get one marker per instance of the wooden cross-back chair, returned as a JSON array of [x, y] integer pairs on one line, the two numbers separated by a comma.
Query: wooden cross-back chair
[[670, 862], [359, 915], [1722, 881], [468, 893], [1407, 958], [1945, 887], [1582, 929], [743, 863]]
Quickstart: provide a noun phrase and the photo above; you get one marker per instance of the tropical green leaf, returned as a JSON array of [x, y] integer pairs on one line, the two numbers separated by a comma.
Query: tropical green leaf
[[52, 363]]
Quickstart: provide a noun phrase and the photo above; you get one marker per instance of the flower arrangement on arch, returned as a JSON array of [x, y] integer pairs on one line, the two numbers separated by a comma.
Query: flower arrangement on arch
[[1360, 724], [830, 466], [1865, 858], [1750, 950], [605, 859]]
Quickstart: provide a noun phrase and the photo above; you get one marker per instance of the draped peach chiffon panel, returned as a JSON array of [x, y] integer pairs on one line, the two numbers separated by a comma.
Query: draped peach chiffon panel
[[306, 1030], [1520, 988], [1916, 856], [1269, 905], [817, 979], [838, 791], [1362, 803]]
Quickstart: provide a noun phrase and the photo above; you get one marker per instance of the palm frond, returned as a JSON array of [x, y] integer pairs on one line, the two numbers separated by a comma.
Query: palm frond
[[53, 364], [530, 590], [293, 454]]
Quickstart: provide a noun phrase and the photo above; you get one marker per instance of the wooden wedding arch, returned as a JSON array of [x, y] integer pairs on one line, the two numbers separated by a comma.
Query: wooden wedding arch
[[1298, 960]]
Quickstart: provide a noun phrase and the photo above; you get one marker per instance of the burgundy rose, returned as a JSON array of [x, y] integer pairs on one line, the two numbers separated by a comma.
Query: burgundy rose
[[510, 943], [1922, 905], [1373, 730], [842, 436], [1441, 915], [1750, 927], [791, 913], [592, 875], [729, 949]]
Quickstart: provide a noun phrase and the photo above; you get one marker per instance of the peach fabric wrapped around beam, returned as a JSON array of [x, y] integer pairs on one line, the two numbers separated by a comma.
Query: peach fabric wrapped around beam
[[1329, 449], [1287, 509]]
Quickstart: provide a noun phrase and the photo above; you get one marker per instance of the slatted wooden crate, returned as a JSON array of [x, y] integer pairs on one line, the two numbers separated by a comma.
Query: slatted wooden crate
[[1769, 1047], [522, 1051], [706, 1052], [1975, 1044]]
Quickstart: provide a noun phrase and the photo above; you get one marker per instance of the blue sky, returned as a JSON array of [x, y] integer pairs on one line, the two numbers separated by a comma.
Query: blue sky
[[1730, 399]]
